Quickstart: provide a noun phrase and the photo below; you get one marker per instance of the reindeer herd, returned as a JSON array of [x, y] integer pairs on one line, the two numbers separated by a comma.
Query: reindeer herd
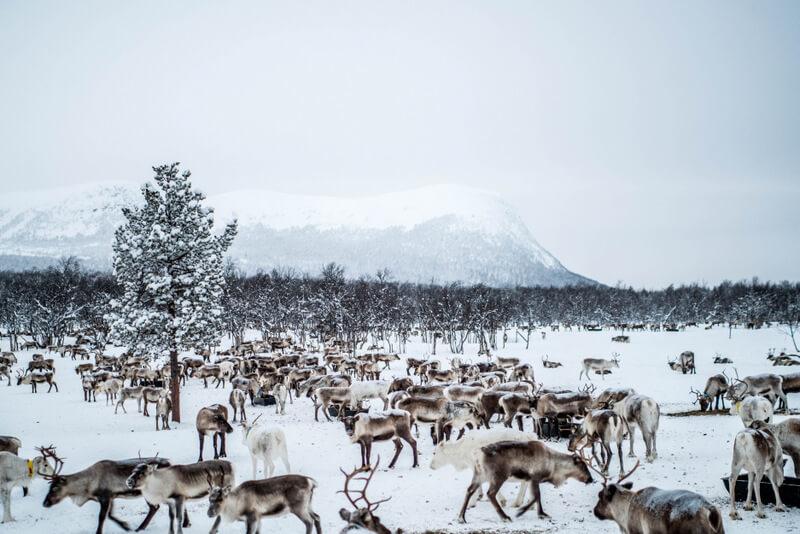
[[459, 402]]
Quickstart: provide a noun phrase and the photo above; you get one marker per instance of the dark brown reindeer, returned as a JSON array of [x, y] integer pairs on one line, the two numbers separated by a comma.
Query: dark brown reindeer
[[654, 510], [212, 421], [102, 482], [363, 517]]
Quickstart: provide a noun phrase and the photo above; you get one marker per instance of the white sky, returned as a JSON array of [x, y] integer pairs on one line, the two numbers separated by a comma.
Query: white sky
[[642, 142]]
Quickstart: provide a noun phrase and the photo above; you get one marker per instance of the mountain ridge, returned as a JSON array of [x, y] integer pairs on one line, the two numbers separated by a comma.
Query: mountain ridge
[[441, 233]]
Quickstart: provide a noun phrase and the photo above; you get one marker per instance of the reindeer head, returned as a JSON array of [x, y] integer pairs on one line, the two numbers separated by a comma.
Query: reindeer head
[[603, 509], [58, 483], [362, 516], [702, 398]]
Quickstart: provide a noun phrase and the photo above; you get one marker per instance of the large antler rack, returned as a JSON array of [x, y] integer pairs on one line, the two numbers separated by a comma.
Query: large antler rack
[[361, 493], [589, 461], [58, 463]]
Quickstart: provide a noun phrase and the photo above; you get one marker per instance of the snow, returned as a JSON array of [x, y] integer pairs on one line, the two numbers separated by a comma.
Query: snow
[[693, 452]]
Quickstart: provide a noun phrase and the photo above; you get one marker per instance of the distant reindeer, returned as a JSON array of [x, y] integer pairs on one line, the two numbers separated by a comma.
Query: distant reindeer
[[548, 364], [598, 364]]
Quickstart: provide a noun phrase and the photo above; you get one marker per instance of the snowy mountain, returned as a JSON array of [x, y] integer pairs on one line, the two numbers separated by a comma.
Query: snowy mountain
[[441, 233]]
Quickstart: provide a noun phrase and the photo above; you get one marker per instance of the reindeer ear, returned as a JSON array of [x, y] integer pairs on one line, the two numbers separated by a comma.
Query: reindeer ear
[[627, 485], [344, 514]]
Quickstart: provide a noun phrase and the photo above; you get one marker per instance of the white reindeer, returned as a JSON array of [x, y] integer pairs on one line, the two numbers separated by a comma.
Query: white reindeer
[[16, 471], [265, 444]]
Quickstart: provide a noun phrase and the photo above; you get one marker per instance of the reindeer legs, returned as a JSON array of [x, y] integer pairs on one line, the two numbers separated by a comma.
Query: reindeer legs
[[151, 511]]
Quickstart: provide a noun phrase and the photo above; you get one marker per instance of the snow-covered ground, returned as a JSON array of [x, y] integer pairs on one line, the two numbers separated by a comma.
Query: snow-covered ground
[[694, 452]]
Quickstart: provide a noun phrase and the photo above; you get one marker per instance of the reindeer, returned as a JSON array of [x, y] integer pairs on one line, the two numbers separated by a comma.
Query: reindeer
[[548, 364], [37, 378], [361, 518], [605, 426], [163, 409], [716, 387], [15, 471], [254, 499], [365, 429], [522, 371], [673, 364], [609, 397], [279, 391], [460, 454], [103, 482], [265, 444], [213, 421], [759, 452], [788, 434], [152, 396], [654, 510], [753, 409], [719, 359], [554, 405], [5, 371], [687, 362], [111, 388], [767, 385], [642, 412], [517, 405], [530, 461], [598, 364], [129, 393], [176, 484], [237, 401]]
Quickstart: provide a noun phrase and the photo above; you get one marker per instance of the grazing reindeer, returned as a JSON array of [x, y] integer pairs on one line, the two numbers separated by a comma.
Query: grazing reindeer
[[673, 364], [788, 434], [176, 484], [254, 499], [265, 444], [605, 426], [361, 518], [103, 482], [643, 412], [758, 452], [365, 429], [213, 421], [530, 461], [655, 510], [548, 364], [716, 387], [687, 362], [237, 401], [598, 364], [16, 471], [461, 455], [37, 378]]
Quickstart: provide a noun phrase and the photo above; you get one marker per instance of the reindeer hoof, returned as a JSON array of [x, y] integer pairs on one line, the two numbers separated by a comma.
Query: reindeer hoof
[[761, 515], [631, 455], [748, 507], [506, 519], [462, 520], [735, 516], [544, 516], [780, 509]]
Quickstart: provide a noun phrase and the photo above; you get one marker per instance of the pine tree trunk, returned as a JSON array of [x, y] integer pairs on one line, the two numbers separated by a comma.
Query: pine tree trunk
[[175, 385]]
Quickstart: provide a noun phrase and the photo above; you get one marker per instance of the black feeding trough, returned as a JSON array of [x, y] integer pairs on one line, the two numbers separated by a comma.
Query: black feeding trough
[[790, 490]]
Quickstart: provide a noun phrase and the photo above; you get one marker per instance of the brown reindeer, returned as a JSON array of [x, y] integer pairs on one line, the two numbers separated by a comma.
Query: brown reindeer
[[102, 482], [365, 429], [37, 378], [213, 421], [530, 461]]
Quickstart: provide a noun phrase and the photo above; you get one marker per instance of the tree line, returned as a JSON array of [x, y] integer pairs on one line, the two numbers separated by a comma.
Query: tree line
[[45, 305]]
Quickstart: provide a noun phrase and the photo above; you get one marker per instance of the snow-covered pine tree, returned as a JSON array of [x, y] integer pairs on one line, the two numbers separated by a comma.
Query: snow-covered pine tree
[[169, 265]]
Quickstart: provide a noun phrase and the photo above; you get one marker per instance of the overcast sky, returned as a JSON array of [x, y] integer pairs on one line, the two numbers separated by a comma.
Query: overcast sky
[[648, 143]]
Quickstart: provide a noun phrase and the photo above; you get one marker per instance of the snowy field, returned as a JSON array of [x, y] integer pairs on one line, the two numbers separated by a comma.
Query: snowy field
[[694, 452]]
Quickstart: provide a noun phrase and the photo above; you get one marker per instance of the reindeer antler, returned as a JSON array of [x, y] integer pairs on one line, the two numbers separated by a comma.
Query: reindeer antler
[[629, 473], [590, 463], [371, 506], [58, 463]]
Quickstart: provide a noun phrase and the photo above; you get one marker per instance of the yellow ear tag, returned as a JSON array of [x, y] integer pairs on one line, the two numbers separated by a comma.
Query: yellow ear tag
[[30, 468], [737, 406], [99, 388]]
